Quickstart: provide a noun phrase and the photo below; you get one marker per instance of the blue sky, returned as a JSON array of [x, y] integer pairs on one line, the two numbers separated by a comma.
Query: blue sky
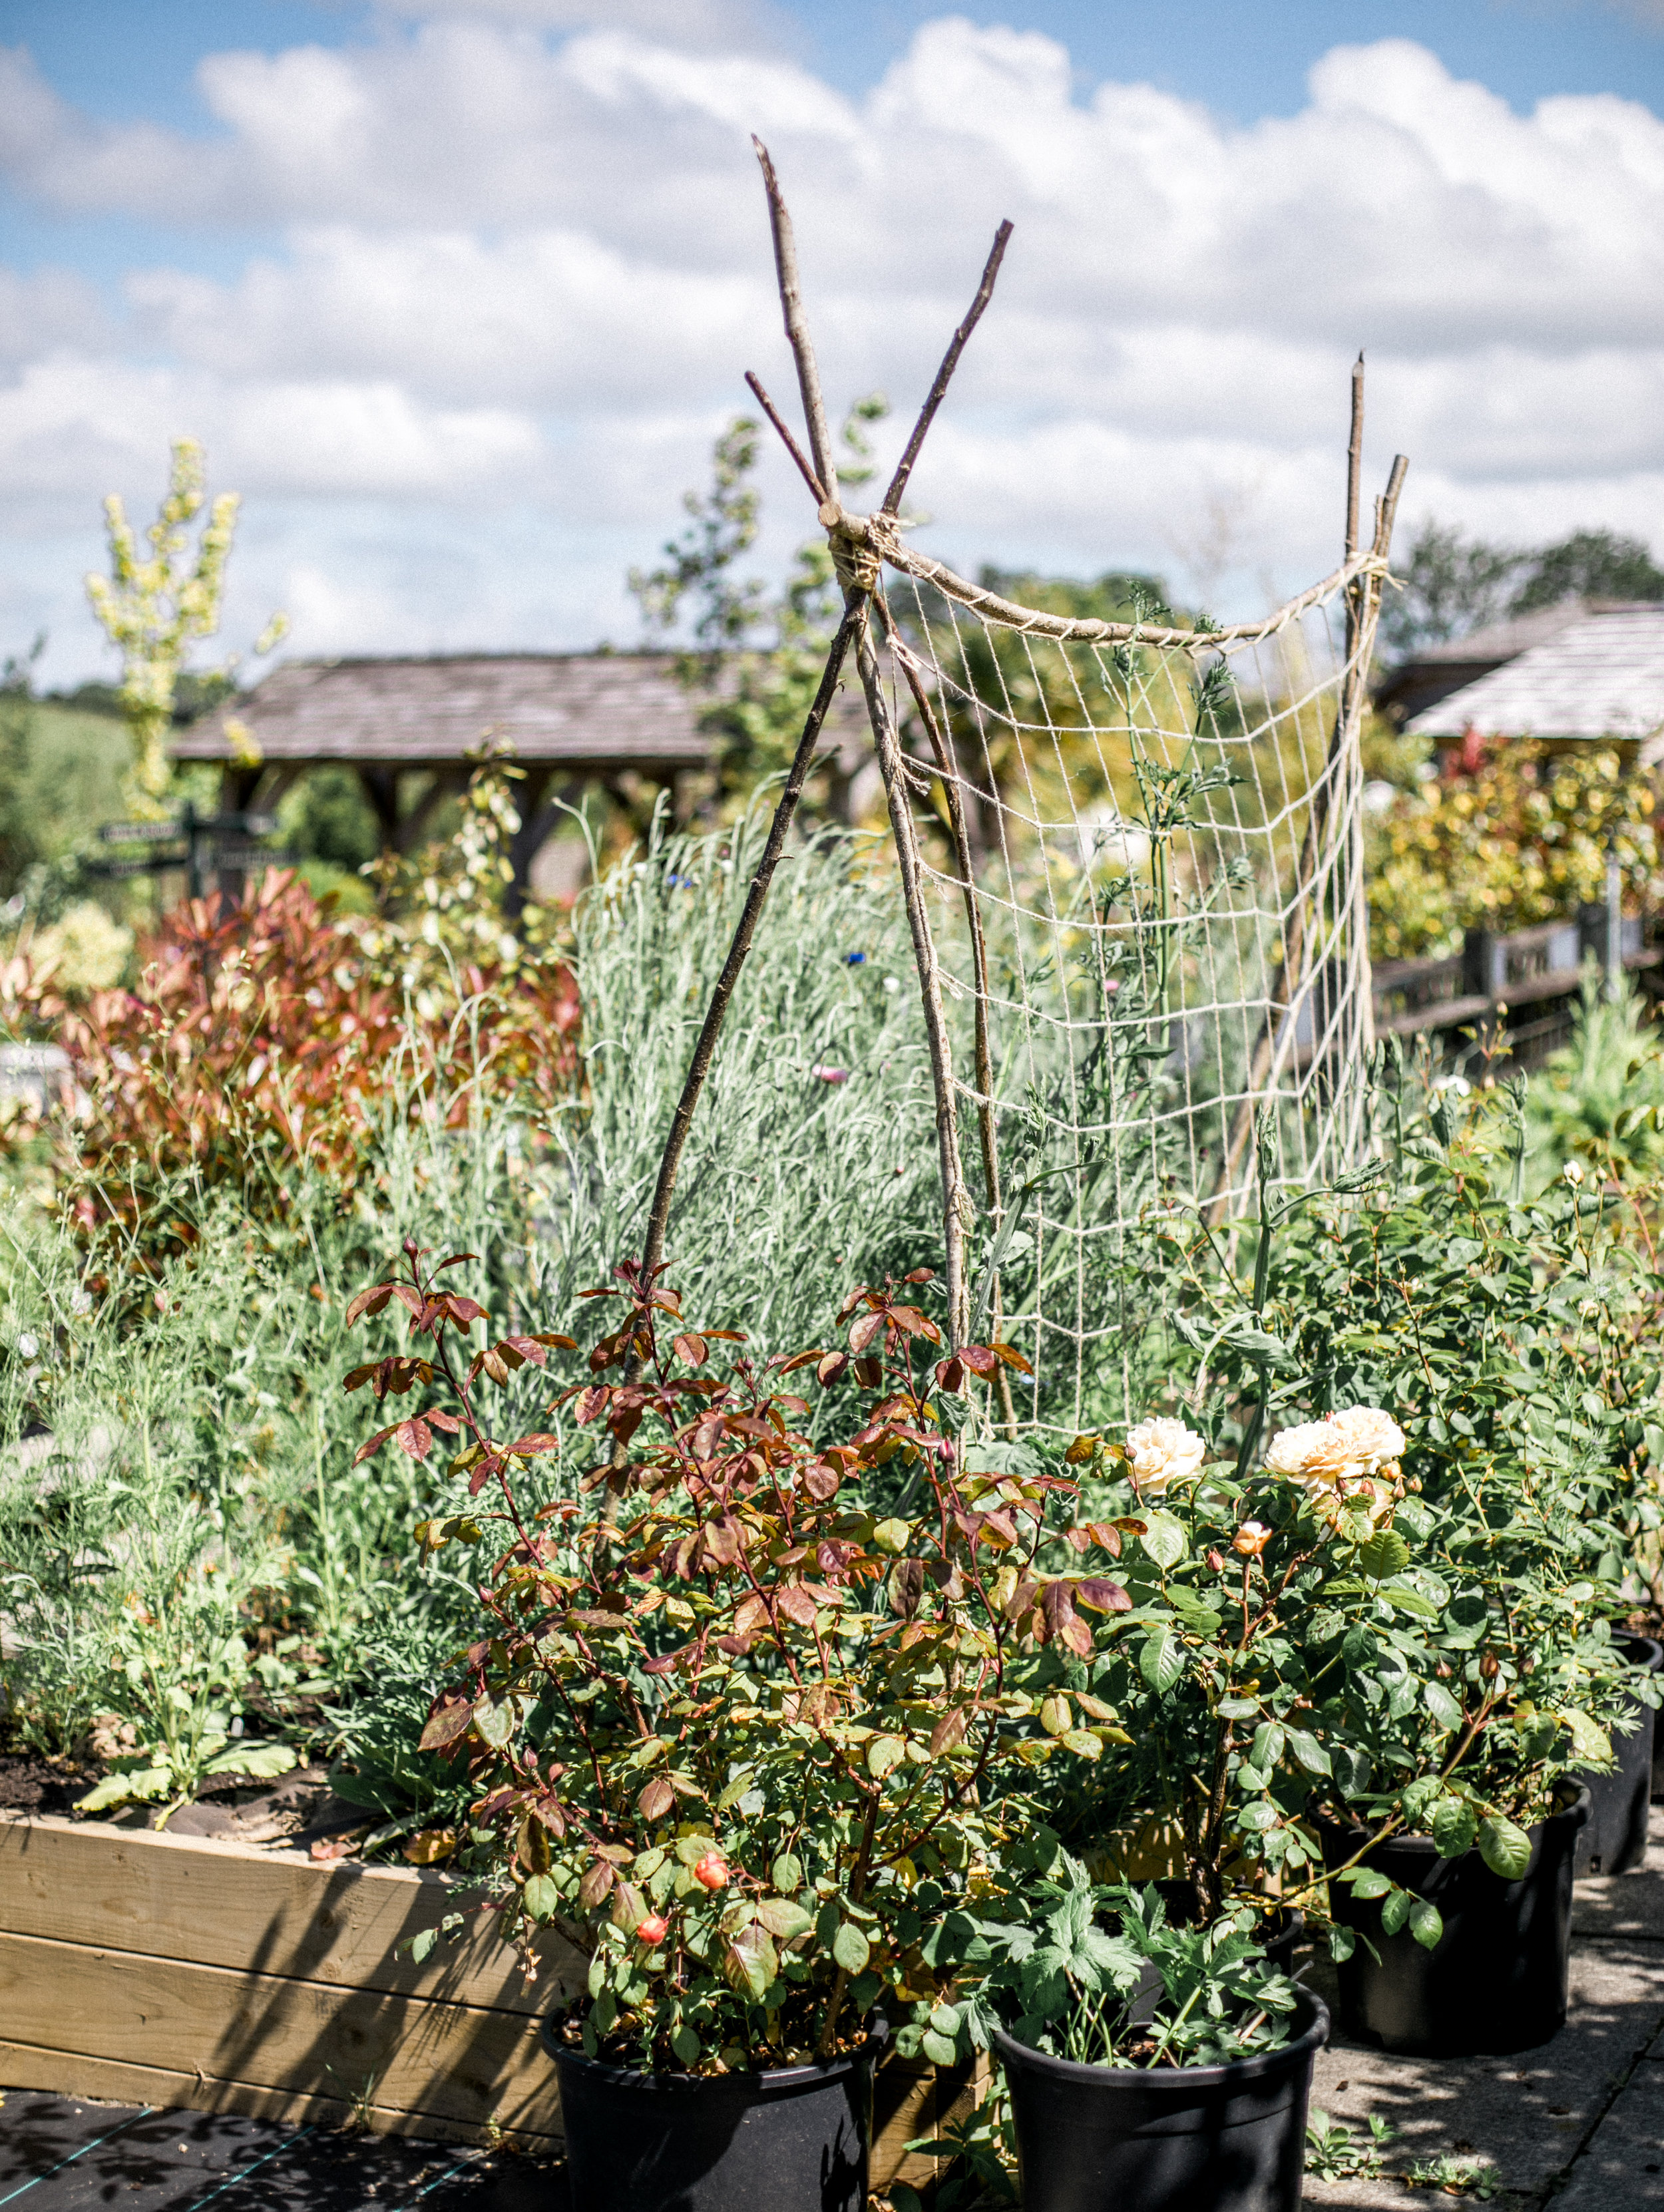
[[458, 290]]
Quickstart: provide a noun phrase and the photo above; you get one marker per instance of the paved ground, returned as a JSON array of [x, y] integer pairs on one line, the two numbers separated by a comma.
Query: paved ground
[[1577, 2126], [60, 2154]]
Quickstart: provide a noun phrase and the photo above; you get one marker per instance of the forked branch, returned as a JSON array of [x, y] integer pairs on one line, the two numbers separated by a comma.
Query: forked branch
[[797, 329]]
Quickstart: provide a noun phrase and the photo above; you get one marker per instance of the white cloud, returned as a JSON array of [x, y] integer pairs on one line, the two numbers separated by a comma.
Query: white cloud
[[519, 267]]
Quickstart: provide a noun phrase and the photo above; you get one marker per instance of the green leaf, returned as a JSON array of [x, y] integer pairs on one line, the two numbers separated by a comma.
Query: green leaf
[[1505, 1848], [787, 1872], [684, 2042], [1453, 1825], [422, 1943], [1161, 1660], [1425, 1924], [262, 1760], [736, 1789], [938, 2049], [495, 1722], [1386, 1553], [1238, 1709], [1083, 1744], [542, 1897], [850, 1948], [784, 1917], [1588, 1739], [884, 1754], [1396, 1910], [1370, 1881], [1442, 1706], [1308, 1751], [1163, 1539]]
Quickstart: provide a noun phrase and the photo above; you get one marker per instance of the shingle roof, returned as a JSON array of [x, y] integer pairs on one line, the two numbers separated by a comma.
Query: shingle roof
[[1600, 677], [613, 709]]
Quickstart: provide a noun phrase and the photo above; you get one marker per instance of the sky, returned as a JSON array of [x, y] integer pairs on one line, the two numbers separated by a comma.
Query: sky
[[458, 293]]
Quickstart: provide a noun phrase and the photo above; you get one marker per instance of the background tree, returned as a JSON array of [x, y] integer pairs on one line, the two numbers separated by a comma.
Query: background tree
[[1452, 585], [153, 609]]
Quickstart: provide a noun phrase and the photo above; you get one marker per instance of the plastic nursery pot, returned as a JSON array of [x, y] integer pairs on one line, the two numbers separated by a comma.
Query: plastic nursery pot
[[1496, 1982], [1165, 2139], [1615, 1840], [793, 2140]]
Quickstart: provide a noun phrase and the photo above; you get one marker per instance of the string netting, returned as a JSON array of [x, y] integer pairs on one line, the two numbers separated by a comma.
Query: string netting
[[1140, 865]]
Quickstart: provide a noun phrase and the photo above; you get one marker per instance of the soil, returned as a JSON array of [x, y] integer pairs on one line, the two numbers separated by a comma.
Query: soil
[[298, 1810], [32, 1785]]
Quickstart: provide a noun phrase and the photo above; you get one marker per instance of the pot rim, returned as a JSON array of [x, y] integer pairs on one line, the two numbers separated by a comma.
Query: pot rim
[[1577, 1812], [678, 2083], [1635, 1636], [1183, 2082]]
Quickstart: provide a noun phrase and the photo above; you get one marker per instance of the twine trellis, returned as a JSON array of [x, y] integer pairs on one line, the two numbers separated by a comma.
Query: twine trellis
[[1132, 859]]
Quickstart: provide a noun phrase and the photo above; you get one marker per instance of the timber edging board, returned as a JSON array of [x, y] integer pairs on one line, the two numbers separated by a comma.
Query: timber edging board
[[173, 1970], [179, 1970]]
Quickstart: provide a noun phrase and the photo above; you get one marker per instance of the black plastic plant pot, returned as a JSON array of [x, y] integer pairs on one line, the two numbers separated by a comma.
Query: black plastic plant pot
[[1615, 1840], [1165, 2139], [1495, 1981], [794, 2140]]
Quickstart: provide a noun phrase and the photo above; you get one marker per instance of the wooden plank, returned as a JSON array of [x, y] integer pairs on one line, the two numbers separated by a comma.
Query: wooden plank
[[410, 2054], [73, 2073], [216, 1904]]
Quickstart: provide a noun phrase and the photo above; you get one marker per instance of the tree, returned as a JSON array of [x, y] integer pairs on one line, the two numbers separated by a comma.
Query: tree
[[1590, 564], [152, 610], [1451, 585]]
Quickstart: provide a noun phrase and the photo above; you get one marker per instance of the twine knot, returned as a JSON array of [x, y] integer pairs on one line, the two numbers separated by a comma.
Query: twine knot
[[856, 558]]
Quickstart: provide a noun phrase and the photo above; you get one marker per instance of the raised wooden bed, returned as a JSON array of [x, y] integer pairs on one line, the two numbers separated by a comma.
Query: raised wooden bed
[[183, 1971], [165, 1970]]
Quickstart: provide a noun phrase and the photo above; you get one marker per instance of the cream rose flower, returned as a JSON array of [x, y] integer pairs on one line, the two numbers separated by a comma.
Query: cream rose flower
[[1341, 1446], [1373, 1438], [1163, 1451]]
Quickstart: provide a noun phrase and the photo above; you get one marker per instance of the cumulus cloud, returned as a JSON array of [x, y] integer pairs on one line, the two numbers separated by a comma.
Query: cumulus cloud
[[518, 265]]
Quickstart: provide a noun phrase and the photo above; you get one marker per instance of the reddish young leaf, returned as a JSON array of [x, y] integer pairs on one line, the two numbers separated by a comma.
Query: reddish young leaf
[[448, 1422], [414, 1436], [1080, 1450], [590, 1402], [832, 1366], [1012, 1357], [1106, 1533], [821, 1481], [484, 1470], [950, 1373], [800, 1359], [915, 1322], [597, 1884], [448, 1720], [949, 1731], [797, 1605], [371, 1444], [869, 1327], [920, 1275], [529, 1447], [692, 1350], [1103, 1596], [869, 1373], [979, 1358], [368, 1301], [656, 1800]]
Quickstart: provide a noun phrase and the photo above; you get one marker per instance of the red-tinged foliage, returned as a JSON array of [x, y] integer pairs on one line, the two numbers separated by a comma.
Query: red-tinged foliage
[[260, 1037]]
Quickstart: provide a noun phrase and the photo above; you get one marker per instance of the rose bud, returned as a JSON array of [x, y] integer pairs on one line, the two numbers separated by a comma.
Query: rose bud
[[712, 1871], [1216, 1561], [1251, 1538], [1489, 1668], [653, 1930]]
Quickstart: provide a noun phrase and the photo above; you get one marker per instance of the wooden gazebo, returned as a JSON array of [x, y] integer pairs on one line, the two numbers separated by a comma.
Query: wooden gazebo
[[411, 730]]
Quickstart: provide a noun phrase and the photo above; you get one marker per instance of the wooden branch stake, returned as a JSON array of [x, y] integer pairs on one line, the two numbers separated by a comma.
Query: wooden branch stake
[[958, 1211], [791, 443], [797, 330], [1363, 598], [891, 502]]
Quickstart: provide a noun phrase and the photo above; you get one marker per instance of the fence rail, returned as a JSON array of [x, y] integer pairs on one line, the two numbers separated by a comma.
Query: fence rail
[[1495, 975]]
